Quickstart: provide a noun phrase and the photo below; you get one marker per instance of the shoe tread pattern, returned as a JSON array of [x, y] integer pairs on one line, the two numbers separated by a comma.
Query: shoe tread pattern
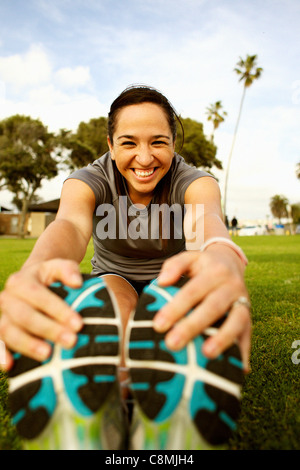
[[159, 386], [86, 382]]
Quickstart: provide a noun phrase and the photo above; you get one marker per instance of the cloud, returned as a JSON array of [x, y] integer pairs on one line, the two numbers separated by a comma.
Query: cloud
[[29, 69], [263, 161], [34, 68], [55, 108], [59, 110], [73, 77], [51, 10], [30, 85]]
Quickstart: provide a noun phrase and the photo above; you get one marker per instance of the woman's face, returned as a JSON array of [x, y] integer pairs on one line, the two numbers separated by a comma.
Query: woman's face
[[143, 148]]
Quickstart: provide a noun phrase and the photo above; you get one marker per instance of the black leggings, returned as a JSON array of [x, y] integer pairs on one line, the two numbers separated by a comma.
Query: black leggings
[[137, 285]]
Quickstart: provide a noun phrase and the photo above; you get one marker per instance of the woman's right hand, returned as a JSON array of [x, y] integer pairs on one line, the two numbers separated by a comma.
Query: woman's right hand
[[31, 314]]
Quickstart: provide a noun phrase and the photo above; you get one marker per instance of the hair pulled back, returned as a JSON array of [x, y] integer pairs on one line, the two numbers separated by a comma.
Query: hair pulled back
[[138, 94]]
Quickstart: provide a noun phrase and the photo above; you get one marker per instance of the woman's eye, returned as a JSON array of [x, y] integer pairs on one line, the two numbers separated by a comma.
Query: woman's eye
[[128, 143], [159, 142]]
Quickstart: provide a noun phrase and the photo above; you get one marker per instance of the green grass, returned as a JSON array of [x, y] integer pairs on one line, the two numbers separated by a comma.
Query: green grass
[[270, 415]]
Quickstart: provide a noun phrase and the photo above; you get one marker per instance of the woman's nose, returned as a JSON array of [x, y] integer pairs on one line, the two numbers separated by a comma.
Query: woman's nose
[[144, 156]]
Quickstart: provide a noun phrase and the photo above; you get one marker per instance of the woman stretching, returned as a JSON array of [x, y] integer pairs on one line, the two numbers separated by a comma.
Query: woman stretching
[[164, 257]]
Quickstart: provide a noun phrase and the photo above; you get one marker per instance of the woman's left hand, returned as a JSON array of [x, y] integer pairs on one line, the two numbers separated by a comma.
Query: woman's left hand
[[216, 282]]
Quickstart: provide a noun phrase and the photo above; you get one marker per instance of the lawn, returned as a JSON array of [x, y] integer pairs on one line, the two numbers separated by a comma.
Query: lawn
[[270, 416]]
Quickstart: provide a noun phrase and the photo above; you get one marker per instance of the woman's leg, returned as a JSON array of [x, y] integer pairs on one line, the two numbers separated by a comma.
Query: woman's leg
[[125, 295], [126, 298]]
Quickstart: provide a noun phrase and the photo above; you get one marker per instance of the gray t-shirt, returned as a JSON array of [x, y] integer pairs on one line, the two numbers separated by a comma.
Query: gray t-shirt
[[126, 238]]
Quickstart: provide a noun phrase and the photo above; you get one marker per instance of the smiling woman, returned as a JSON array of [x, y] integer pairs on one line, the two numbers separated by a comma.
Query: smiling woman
[[162, 310]]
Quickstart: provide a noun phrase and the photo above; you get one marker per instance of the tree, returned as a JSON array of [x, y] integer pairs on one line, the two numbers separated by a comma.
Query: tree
[[278, 206], [295, 212], [298, 170], [94, 134], [26, 159], [248, 72], [216, 115], [87, 143], [197, 150]]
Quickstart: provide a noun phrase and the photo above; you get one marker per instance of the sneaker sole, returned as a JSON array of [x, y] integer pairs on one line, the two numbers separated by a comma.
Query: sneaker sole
[[163, 381], [57, 402]]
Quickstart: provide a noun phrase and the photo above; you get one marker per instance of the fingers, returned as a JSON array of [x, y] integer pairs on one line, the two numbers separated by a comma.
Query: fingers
[[66, 271], [175, 267], [211, 288], [32, 291], [7, 361], [32, 314], [17, 338], [196, 290], [209, 294], [237, 327], [41, 325], [205, 314], [245, 344]]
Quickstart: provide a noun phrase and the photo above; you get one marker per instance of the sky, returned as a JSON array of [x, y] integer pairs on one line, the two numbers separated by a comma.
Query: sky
[[65, 61]]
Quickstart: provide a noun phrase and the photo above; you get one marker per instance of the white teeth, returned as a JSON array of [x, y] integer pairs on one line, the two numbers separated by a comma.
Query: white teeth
[[143, 173]]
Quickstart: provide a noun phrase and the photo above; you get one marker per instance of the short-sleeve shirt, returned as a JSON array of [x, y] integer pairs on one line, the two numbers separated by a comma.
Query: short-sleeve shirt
[[127, 240]]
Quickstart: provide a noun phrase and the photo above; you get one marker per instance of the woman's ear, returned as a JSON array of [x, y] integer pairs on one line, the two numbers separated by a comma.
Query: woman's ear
[[110, 148]]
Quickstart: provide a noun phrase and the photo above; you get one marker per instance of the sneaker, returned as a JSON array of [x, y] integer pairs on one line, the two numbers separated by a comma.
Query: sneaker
[[185, 401], [63, 403]]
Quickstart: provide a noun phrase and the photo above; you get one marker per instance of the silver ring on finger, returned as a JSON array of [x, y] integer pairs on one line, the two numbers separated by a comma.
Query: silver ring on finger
[[241, 301]]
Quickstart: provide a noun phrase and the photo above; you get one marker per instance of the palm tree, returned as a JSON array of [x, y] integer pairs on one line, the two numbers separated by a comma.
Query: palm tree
[[248, 71], [214, 114], [278, 206]]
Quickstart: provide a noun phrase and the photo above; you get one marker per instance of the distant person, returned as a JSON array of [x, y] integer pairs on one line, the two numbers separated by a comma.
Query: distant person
[[234, 225], [140, 172]]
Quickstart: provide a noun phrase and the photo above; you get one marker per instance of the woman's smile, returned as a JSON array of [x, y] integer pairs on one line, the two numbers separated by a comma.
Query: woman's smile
[[144, 174]]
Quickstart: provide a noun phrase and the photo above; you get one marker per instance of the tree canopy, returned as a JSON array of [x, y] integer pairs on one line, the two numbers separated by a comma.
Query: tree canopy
[[87, 143], [197, 150], [26, 158], [295, 210], [216, 114], [247, 70], [278, 206]]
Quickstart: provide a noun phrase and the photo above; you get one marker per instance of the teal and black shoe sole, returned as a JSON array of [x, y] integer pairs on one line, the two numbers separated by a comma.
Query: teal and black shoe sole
[[162, 379], [86, 373]]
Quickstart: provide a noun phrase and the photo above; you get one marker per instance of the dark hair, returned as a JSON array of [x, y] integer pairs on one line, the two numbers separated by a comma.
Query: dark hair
[[137, 94]]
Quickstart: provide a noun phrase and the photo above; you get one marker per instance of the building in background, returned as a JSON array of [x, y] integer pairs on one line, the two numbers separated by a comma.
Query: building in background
[[38, 218]]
